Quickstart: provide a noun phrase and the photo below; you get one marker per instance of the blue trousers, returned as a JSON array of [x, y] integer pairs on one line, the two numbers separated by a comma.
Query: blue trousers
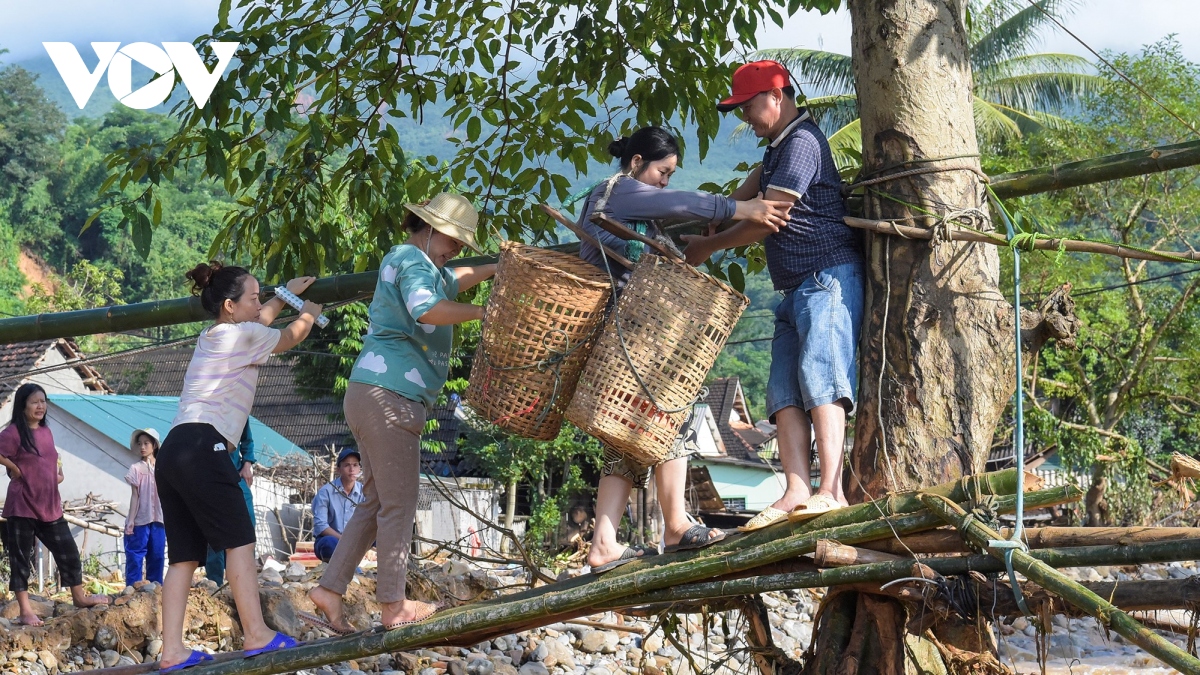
[[145, 545], [324, 547]]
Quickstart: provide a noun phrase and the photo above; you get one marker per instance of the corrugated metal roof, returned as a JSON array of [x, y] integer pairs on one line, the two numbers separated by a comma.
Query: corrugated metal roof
[[117, 416]]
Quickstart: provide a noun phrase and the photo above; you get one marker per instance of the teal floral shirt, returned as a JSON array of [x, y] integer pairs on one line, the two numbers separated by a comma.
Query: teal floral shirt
[[399, 353]]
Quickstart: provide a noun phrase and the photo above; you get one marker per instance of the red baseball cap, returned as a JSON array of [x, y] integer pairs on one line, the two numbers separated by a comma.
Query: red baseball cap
[[753, 79]]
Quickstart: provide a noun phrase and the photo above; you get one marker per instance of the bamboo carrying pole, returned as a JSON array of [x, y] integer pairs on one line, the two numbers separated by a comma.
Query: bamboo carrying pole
[[1096, 170], [1054, 581], [467, 624], [911, 232]]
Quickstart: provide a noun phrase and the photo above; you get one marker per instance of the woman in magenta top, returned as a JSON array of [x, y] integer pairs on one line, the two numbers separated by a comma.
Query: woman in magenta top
[[33, 507]]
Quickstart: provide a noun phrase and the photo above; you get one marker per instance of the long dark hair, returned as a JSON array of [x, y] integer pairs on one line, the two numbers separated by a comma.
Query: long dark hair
[[18, 416], [652, 143], [215, 284]]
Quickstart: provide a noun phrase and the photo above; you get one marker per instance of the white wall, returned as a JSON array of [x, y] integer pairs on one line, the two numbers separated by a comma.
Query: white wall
[[759, 487], [440, 520]]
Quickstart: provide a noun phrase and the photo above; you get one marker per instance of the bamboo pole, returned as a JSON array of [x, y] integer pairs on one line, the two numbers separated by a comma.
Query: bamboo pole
[[1096, 170], [157, 313], [549, 604], [584, 236], [836, 554], [1055, 582], [951, 541], [910, 232]]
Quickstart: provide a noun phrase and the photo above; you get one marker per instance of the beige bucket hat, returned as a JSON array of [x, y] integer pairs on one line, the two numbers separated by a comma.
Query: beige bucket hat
[[452, 215]]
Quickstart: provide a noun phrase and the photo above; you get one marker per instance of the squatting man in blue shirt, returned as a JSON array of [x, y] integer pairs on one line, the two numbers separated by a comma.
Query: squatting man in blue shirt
[[815, 262], [334, 504]]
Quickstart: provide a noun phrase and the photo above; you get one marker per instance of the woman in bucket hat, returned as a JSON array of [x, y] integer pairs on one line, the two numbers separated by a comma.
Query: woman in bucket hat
[[145, 536], [404, 363]]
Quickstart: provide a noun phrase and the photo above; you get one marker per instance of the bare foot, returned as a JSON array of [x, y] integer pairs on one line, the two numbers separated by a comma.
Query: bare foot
[[31, 619], [91, 600], [600, 555], [330, 604], [405, 610]]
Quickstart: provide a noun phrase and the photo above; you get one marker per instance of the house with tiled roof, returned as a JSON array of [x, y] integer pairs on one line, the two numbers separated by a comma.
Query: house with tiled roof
[[738, 461], [40, 362], [313, 423]]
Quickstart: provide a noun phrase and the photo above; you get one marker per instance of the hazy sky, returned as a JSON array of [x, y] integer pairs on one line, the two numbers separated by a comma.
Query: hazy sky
[[24, 25]]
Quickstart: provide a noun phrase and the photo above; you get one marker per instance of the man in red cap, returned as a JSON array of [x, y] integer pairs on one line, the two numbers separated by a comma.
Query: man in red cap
[[816, 262]]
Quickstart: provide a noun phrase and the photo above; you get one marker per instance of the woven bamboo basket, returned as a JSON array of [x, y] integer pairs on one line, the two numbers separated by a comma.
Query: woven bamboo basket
[[538, 330], [673, 321]]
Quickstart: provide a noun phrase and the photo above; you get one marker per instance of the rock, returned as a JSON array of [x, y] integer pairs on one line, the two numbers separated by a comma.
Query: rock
[[480, 667], [270, 576], [154, 647], [294, 572], [599, 670], [279, 611], [428, 671], [561, 654], [515, 655], [593, 641], [48, 660], [770, 602], [41, 607], [36, 668], [30, 656], [110, 658], [542, 651], [456, 668], [634, 655], [652, 643], [504, 669], [106, 639], [533, 668], [1020, 623], [501, 644]]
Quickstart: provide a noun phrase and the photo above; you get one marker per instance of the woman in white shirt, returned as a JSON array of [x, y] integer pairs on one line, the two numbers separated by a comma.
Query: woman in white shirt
[[198, 487]]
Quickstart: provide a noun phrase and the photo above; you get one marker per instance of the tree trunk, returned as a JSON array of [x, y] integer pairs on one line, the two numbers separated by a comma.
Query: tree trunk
[[936, 359]]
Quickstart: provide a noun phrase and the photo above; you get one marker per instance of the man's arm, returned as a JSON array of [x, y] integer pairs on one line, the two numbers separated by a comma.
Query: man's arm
[[749, 187], [320, 509], [700, 248]]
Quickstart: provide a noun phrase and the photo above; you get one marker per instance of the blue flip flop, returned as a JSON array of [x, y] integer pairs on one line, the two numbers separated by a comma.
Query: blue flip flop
[[280, 641], [193, 659]]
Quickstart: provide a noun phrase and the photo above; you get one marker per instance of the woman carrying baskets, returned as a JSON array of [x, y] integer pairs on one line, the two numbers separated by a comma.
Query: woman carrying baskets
[[636, 197], [403, 365]]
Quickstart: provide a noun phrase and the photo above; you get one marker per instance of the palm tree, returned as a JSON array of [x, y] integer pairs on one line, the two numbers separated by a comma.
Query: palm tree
[[1016, 92]]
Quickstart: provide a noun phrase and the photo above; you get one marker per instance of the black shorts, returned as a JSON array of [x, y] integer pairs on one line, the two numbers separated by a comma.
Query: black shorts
[[201, 495]]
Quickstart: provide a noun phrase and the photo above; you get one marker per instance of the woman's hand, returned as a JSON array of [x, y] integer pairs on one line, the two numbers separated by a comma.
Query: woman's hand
[[697, 247], [129, 527], [300, 284], [772, 215], [14, 473], [247, 473]]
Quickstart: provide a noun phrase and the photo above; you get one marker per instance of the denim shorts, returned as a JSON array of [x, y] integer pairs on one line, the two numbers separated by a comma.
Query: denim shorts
[[814, 354]]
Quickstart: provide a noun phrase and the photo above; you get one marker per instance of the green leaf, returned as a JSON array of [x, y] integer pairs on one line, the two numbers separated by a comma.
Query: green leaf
[[737, 278]]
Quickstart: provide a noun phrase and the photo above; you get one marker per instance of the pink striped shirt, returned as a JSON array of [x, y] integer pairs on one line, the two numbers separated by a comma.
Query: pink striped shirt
[[218, 388]]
